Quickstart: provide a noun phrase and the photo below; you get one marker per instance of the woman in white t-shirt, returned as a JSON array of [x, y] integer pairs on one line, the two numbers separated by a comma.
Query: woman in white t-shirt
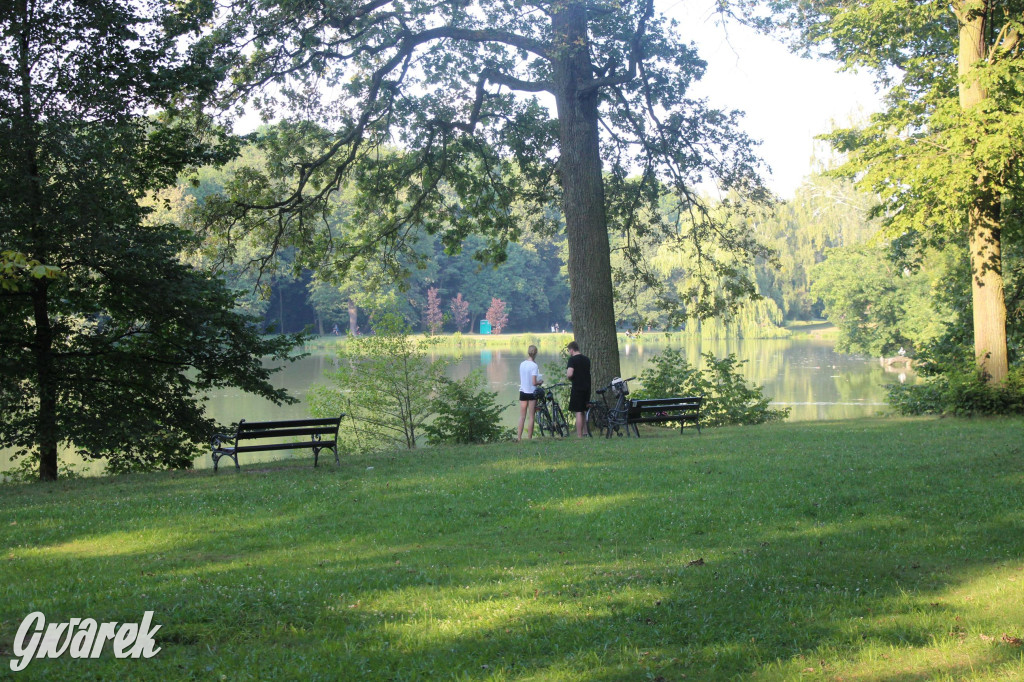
[[529, 380]]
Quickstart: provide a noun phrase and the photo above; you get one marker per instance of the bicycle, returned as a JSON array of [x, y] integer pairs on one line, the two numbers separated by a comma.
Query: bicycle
[[548, 413], [605, 418]]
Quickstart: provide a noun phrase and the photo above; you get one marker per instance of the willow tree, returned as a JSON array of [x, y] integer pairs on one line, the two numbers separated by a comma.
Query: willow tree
[[944, 154], [483, 117]]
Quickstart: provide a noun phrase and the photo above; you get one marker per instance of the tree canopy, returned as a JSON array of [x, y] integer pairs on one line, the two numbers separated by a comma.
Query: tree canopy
[[483, 118], [109, 338]]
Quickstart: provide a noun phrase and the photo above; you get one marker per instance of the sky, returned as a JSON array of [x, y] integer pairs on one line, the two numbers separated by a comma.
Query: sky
[[788, 100]]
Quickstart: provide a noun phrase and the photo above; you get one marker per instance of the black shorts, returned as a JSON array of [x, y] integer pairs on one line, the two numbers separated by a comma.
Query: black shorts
[[527, 396], [578, 400]]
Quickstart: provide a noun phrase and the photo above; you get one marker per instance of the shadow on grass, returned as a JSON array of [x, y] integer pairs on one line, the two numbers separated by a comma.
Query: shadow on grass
[[742, 551]]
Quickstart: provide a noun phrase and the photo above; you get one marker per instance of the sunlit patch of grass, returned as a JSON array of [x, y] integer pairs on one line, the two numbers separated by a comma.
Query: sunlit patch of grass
[[882, 549]]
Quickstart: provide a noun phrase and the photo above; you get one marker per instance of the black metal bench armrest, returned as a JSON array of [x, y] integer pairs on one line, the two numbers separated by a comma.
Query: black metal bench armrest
[[219, 439]]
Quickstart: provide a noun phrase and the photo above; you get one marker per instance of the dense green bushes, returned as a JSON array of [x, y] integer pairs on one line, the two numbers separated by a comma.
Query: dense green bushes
[[728, 399], [466, 412], [961, 392]]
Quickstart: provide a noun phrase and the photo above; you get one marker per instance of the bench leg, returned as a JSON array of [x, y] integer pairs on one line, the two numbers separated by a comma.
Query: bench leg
[[216, 460], [316, 457]]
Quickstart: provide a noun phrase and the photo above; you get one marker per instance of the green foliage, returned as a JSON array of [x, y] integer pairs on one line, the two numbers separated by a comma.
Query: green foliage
[[16, 267], [461, 145], [113, 355], [26, 470], [943, 155], [825, 213], [963, 392], [727, 397], [873, 301], [385, 383], [466, 412]]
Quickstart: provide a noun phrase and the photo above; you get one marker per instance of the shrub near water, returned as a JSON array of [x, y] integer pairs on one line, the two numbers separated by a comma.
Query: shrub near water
[[383, 384], [728, 399], [962, 392], [466, 412]]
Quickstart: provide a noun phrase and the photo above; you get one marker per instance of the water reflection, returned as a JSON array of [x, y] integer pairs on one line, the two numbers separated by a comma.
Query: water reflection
[[807, 376]]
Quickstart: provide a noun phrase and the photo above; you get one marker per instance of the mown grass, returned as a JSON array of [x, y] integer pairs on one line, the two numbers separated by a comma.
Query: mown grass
[[858, 550]]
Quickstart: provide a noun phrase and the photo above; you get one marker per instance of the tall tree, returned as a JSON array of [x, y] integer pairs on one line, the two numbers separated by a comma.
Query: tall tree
[[456, 86], [433, 318], [111, 344], [944, 155], [460, 312], [497, 315]]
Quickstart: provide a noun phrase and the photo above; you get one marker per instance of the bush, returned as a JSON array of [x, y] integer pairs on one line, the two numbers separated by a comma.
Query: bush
[[962, 392], [465, 413], [383, 383], [728, 399]]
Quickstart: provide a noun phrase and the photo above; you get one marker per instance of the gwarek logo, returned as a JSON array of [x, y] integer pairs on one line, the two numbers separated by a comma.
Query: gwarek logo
[[81, 638]]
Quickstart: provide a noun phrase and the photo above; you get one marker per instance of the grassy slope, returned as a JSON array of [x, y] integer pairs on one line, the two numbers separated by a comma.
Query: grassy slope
[[874, 549]]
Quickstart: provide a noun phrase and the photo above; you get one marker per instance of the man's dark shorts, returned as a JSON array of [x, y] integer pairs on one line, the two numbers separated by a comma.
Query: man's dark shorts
[[578, 400], [527, 396]]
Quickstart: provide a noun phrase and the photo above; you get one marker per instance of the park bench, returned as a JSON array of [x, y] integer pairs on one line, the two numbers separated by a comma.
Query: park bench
[[316, 434], [653, 410]]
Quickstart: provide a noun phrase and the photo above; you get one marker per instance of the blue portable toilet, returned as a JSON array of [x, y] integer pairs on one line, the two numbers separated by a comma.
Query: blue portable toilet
[[485, 327]]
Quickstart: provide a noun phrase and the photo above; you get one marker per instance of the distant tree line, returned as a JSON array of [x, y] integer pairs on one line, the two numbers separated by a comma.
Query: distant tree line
[[531, 281]]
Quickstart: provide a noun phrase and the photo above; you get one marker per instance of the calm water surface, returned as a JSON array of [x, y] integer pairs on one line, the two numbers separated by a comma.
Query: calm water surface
[[807, 376]]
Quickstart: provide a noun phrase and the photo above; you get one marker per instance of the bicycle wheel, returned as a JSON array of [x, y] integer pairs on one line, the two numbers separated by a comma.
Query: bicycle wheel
[[559, 419], [597, 420], [543, 419], [616, 420]]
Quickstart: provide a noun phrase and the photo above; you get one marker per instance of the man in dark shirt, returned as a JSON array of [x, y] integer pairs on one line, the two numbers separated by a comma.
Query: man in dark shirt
[[578, 371]]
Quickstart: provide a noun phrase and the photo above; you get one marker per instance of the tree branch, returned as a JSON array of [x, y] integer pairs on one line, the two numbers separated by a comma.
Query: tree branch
[[636, 55]]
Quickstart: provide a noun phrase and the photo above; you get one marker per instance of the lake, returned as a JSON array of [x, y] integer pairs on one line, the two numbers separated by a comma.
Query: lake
[[805, 375]]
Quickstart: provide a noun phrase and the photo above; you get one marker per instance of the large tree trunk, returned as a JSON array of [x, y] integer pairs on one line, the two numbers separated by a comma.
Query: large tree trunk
[[590, 275], [353, 316], [988, 302], [47, 436], [987, 299], [46, 376]]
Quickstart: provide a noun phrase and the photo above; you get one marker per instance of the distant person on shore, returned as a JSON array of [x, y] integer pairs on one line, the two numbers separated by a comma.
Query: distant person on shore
[[529, 379], [578, 371]]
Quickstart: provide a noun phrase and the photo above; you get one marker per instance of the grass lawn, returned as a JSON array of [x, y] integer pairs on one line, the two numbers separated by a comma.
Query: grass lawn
[[857, 550]]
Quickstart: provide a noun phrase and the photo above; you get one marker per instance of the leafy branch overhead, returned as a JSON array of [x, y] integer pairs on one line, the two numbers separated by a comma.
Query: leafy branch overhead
[[433, 116], [432, 80]]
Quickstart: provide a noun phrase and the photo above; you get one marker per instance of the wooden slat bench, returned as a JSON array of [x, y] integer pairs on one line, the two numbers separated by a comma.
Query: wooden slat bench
[[316, 434], [652, 410]]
